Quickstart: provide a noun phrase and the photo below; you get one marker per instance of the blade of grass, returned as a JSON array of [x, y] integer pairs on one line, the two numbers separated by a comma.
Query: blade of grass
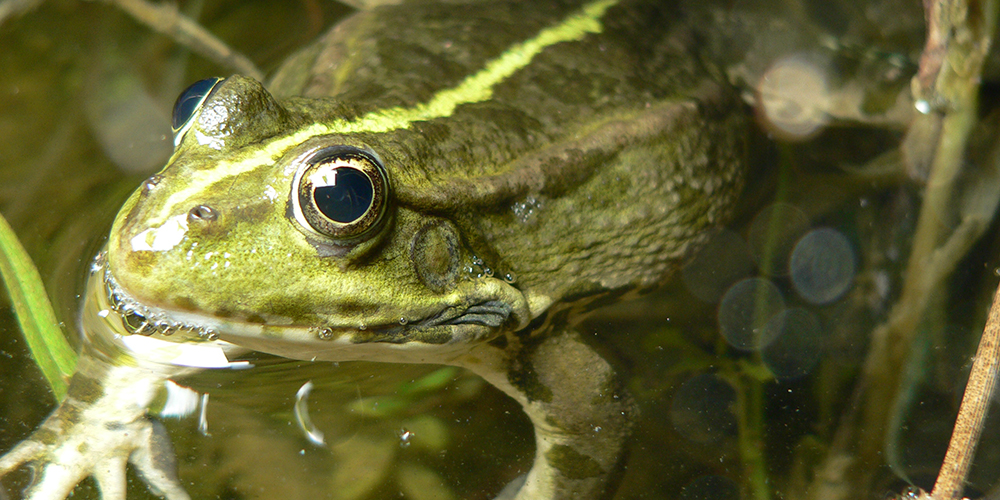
[[53, 354]]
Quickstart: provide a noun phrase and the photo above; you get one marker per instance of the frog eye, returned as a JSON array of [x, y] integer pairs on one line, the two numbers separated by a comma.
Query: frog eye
[[340, 193], [188, 103]]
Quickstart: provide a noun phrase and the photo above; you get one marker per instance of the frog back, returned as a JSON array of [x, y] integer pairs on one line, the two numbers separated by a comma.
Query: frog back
[[595, 164]]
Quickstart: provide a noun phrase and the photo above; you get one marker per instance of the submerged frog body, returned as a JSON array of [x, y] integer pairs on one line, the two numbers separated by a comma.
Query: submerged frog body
[[428, 184]]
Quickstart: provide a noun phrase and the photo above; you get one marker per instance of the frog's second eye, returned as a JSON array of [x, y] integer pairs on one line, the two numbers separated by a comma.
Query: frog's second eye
[[188, 103], [341, 193]]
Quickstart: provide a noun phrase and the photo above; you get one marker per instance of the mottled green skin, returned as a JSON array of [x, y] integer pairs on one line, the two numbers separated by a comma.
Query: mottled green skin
[[545, 180], [587, 173]]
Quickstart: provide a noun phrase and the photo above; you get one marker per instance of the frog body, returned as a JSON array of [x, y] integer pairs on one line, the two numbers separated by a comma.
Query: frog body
[[502, 168]]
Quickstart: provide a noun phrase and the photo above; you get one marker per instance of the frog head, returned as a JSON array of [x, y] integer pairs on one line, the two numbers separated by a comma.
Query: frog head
[[277, 224]]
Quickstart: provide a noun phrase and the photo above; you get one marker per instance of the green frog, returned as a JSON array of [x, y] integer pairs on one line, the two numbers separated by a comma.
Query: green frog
[[452, 184]]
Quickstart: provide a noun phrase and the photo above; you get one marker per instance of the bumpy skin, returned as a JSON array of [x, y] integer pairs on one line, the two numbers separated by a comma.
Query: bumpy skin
[[540, 156]]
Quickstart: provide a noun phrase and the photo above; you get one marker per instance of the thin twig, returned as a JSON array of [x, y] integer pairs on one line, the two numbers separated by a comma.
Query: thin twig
[[972, 412], [945, 90], [165, 19]]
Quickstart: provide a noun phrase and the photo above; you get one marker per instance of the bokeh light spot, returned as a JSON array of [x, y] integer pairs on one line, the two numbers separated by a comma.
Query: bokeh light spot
[[822, 266], [746, 309]]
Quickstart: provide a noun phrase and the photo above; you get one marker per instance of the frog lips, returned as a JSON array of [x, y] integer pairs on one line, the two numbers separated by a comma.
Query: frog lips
[[487, 313], [492, 313], [142, 320]]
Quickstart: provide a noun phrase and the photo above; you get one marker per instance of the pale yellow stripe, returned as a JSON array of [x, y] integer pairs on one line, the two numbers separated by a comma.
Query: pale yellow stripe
[[475, 88]]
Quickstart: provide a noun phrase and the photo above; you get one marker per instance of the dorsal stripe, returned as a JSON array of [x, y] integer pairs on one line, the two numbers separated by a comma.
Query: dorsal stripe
[[477, 87]]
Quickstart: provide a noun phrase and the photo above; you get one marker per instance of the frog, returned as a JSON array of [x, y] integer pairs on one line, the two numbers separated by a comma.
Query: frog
[[452, 183]]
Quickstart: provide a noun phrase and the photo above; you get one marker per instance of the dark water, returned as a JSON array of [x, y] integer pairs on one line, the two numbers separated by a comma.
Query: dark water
[[745, 368]]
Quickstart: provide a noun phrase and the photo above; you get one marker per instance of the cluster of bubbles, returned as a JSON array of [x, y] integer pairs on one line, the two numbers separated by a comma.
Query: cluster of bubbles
[[136, 318], [768, 287], [816, 266], [478, 268]]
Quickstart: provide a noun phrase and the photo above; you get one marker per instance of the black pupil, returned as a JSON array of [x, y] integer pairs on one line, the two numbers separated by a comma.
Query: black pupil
[[189, 100], [347, 198]]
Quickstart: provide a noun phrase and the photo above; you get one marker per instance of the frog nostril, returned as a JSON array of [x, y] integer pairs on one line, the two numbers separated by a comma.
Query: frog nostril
[[202, 213], [151, 183]]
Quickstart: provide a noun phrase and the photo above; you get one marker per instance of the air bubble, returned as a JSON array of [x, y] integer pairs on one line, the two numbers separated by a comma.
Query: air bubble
[[301, 410], [164, 328], [203, 416], [405, 438], [136, 323], [151, 183], [98, 264]]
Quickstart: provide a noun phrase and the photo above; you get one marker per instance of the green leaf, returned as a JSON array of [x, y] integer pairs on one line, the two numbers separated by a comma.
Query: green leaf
[[54, 355]]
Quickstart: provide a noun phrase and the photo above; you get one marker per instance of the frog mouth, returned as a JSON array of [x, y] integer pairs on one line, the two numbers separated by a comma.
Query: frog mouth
[[474, 321], [139, 319], [492, 313]]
